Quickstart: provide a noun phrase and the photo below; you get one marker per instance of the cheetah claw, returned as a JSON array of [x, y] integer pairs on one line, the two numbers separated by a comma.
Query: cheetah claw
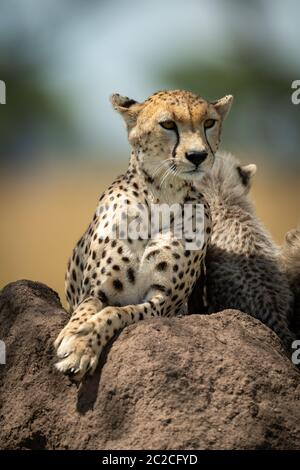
[[78, 353]]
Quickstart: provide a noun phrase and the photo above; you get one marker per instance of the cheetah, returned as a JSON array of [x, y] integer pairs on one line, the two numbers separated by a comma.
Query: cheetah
[[290, 259], [114, 280], [242, 262]]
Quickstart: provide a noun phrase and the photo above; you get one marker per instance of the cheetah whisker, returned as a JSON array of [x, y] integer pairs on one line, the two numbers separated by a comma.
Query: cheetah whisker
[[160, 167], [162, 178], [175, 174], [165, 176], [172, 172]]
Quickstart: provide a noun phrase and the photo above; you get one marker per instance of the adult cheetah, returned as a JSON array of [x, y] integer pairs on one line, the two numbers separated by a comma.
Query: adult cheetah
[[112, 280], [243, 265]]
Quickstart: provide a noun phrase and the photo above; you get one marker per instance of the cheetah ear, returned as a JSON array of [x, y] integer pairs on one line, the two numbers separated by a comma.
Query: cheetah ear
[[223, 105], [128, 108], [292, 237], [246, 174]]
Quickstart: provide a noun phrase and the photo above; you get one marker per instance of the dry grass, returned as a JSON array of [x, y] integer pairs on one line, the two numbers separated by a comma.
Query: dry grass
[[43, 216]]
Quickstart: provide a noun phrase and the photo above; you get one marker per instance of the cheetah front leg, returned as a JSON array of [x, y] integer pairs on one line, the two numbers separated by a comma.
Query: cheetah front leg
[[84, 312], [80, 346]]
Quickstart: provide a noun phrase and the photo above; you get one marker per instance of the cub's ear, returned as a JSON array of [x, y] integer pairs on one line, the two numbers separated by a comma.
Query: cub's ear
[[223, 105], [292, 238], [128, 108], [246, 174]]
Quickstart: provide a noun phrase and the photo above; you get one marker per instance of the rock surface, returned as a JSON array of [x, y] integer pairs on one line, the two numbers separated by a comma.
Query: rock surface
[[199, 382]]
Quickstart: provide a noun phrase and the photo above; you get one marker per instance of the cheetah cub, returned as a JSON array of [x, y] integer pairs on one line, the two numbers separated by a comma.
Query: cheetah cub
[[243, 267], [290, 258], [114, 278]]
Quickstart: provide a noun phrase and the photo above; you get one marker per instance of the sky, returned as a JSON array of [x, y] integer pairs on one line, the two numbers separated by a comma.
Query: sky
[[92, 49]]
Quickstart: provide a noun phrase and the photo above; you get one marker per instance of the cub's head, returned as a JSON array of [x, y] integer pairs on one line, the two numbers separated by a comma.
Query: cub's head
[[231, 174], [292, 241], [228, 179], [174, 132]]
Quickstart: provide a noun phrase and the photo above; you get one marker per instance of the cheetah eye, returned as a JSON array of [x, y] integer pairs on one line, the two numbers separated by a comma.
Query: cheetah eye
[[209, 123], [169, 125]]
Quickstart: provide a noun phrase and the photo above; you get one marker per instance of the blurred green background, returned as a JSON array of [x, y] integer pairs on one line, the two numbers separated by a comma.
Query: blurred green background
[[61, 143]]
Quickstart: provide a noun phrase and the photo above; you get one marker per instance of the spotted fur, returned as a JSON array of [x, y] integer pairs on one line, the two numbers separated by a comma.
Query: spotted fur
[[113, 282], [243, 267], [290, 258]]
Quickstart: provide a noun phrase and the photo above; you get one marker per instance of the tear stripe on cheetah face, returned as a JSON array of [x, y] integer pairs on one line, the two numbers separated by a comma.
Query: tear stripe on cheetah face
[[111, 283], [243, 267]]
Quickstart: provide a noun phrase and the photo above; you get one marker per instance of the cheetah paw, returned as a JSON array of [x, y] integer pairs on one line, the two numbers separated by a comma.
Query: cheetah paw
[[78, 351]]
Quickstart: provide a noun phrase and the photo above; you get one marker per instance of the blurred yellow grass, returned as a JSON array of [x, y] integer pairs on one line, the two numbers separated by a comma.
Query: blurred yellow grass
[[43, 215]]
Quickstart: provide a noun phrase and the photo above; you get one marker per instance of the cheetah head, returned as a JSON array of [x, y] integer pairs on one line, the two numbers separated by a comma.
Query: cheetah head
[[174, 133]]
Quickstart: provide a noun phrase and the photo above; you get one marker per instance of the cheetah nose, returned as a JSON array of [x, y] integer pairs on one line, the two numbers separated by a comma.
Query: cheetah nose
[[196, 157]]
